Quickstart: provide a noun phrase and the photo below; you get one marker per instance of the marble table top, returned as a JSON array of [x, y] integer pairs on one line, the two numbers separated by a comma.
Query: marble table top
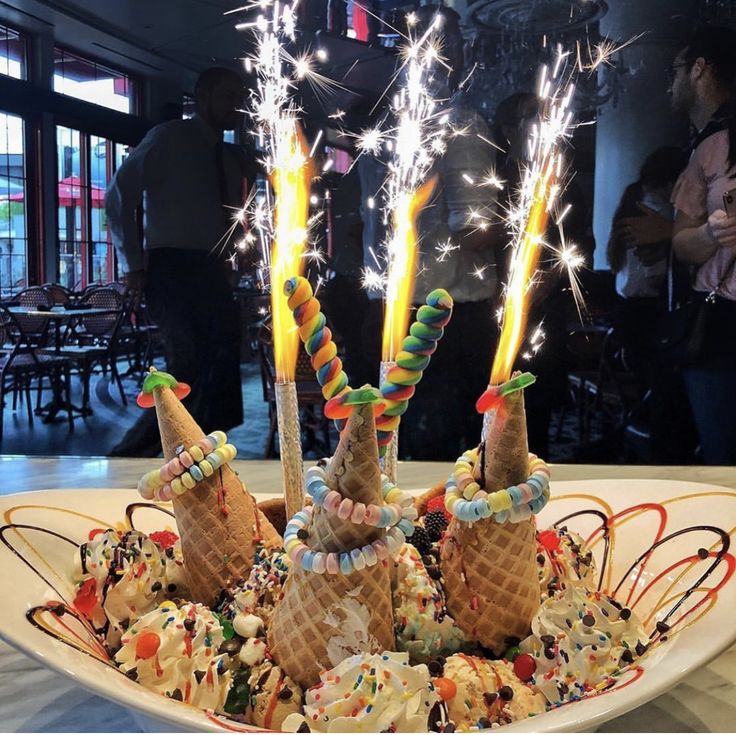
[[36, 699]]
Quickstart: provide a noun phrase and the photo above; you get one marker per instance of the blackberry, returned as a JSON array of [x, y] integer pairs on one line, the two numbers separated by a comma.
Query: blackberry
[[435, 524], [420, 540]]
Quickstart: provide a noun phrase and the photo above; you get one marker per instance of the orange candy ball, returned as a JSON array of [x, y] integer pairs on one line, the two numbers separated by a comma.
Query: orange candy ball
[[446, 688], [147, 644]]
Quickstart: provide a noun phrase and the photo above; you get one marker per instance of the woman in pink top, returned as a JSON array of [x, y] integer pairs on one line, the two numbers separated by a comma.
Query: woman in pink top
[[705, 237]]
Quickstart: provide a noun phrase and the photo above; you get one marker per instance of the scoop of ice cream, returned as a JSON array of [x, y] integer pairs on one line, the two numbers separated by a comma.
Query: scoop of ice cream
[[370, 693], [423, 627], [273, 697], [579, 638], [562, 560], [174, 651], [480, 693], [125, 574]]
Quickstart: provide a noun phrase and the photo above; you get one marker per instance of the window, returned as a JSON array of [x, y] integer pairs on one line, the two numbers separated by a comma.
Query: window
[[73, 209], [13, 192], [12, 53], [87, 80]]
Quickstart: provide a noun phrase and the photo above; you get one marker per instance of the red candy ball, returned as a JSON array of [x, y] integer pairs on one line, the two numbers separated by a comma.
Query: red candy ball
[[524, 666], [147, 644]]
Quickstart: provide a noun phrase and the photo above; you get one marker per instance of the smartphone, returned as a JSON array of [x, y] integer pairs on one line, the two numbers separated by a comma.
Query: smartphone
[[729, 203]]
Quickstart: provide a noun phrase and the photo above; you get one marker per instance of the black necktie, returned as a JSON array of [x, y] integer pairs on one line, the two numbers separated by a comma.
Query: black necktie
[[221, 177]]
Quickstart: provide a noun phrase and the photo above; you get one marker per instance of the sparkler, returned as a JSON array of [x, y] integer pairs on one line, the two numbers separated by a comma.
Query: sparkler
[[540, 187], [282, 224]]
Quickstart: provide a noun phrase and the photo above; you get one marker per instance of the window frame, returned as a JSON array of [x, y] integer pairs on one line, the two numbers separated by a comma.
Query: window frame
[[134, 81]]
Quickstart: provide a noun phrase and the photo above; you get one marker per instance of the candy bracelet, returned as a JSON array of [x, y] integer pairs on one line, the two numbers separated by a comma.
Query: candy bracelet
[[188, 468], [343, 562], [465, 499], [398, 511]]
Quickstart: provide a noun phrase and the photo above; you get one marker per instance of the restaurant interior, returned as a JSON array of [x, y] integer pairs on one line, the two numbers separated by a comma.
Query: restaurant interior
[[353, 336]]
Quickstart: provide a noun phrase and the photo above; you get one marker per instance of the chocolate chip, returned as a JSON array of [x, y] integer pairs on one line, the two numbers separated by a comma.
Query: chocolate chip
[[506, 693], [614, 603], [627, 657], [170, 552], [189, 624], [540, 559], [435, 668], [588, 620], [231, 647], [434, 572], [450, 727], [302, 534], [562, 688], [171, 587], [489, 698], [303, 728], [176, 694], [625, 613], [132, 674], [569, 622], [703, 553], [640, 649], [484, 723], [662, 627], [549, 653], [547, 639], [199, 675], [156, 586], [263, 679], [59, 609], [442, 661]]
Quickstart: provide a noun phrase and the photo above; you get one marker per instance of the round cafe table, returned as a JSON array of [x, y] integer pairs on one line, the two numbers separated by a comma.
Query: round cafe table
[[36, 699]]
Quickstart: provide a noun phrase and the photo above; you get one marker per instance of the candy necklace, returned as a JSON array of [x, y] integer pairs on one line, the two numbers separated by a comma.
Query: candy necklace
[[396, 516], [187, 468], [465, 499]]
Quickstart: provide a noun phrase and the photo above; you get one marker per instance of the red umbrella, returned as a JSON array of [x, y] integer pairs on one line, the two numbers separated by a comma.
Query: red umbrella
[[70, 194]]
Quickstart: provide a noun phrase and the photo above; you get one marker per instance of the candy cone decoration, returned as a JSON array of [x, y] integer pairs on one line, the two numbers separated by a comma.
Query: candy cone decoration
[[324, 618], [489, 568], [218, 520]]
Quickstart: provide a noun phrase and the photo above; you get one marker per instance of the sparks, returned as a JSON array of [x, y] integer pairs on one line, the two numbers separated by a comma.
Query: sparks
[[540, 188], [445, 249], [280, 217]]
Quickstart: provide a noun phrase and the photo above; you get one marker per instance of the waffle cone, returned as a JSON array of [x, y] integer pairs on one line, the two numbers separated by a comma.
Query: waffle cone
[[324, 618], [489, 568], [218, 520]]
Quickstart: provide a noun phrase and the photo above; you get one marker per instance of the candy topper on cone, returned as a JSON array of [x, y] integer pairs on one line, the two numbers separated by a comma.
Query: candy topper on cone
[[218, 520]]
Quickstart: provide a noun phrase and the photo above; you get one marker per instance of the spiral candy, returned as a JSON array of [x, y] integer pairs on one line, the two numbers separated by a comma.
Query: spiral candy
[[416, 350], [317, 339]]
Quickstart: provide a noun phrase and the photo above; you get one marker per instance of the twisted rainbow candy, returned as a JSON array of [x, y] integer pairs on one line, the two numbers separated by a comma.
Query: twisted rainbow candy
[[317, 339], [412, 360]]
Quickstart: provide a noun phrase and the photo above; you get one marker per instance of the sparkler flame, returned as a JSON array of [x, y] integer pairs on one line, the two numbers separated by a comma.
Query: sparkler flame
[[290, 181], [402, 268], [416, 140], [541, 184]]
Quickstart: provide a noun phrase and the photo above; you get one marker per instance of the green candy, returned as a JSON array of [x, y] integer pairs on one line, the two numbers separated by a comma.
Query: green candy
[[158, 379], [410, 361], [361, 396], [426, 331], [512, 653]]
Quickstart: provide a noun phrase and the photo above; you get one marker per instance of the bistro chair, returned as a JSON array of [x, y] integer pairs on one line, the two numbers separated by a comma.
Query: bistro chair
[[92, 341], [35, 328], [22, 364], [60, 295]]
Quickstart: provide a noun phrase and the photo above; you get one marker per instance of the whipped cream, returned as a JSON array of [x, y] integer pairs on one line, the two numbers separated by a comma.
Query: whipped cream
[[369, 693], [132, 575], [581, 637], [562, 560], [174, 651]]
